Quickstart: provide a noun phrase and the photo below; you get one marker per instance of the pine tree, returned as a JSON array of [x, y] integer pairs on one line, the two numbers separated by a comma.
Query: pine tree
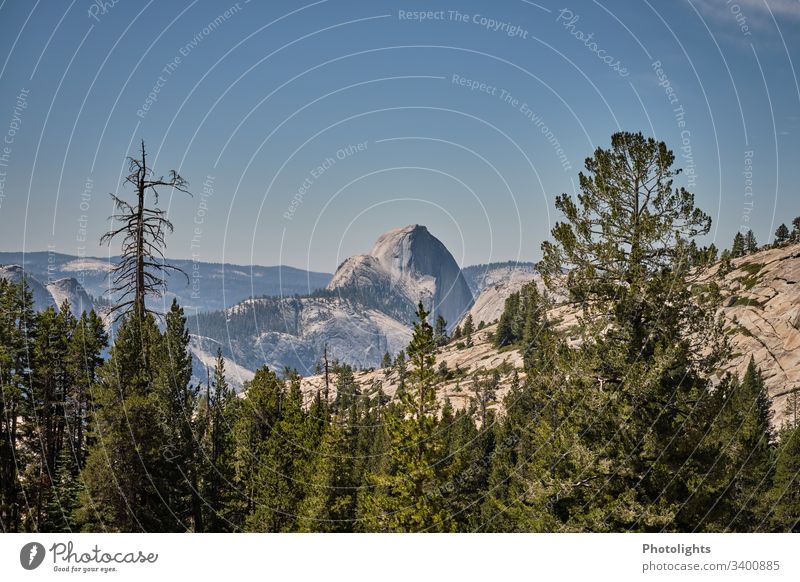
[[506, 478], [218, 467], [738, 249], [783, 499], [47, 399], [781, 235], [725, 264], [484, 390], [64, 497], [282, 473], [177, 403], [123, 489], [505, 334], [750, 451], [142, 265], [257, 416], [401, 367], [467, 330], [85, 358], [405, 499], [347, 389], [796, 229], [143, 405], [17, 333], [329, 505], [466, 457], [648, 339], [440, 331], [750, 243]]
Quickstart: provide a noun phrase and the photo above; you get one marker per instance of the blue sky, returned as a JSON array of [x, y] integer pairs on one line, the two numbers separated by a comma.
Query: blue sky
[[308, 129]]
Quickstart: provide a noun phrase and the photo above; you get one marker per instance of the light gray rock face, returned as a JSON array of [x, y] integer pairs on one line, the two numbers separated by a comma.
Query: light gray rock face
[[406, 265], [54, 293], [367, 309], [294, 333], [41, 296], [762, 312], [68, 289], [482, 277], [491, 302]]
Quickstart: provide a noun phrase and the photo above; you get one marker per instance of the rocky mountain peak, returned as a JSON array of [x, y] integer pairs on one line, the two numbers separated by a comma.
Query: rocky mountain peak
[[407, 265]]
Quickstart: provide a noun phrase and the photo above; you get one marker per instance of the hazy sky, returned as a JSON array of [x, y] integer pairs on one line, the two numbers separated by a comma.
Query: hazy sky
[[307, 130]]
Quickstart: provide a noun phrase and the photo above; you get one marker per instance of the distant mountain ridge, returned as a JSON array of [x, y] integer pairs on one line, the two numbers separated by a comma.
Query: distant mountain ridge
[[366, 310], [285, 317], [211, 286]]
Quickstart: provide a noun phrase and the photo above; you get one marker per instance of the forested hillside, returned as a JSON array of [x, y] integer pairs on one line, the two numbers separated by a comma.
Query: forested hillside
[[614, 397]]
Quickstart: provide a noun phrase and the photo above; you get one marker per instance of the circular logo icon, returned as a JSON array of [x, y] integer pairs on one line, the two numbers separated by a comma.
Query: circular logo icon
[[31, 555]]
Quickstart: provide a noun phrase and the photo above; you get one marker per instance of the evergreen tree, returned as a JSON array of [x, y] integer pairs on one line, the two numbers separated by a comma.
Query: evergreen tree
[[404, 499], [401, 367], [538, 340], [468, 329], [64, 497], [121, 493], [750, 243], [347, 389], [17, 333], [85, 358], [280, 474], [781, 235], [796, 229], [739, 248], [440, 331], [725, 264], [484, 390], [783, 499], [749, 453], [505, 334], [648, 339], [256, 418], [177, 403], [218, 479], [334, 480]]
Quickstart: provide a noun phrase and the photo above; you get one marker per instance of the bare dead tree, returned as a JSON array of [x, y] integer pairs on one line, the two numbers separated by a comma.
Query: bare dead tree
[[142, 267]]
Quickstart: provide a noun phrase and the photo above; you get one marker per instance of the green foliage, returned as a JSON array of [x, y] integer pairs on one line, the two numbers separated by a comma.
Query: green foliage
[[215, 424], [404, 499], [467, 331], [440, 331], [783, 499], [750, 243], [782, 235], [630, 428], [749, 302], [738, 248]]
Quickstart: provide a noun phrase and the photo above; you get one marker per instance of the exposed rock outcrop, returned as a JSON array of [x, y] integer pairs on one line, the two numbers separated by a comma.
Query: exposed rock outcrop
[[407, 265], [68, 289], [762, 308], [41, 296]]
